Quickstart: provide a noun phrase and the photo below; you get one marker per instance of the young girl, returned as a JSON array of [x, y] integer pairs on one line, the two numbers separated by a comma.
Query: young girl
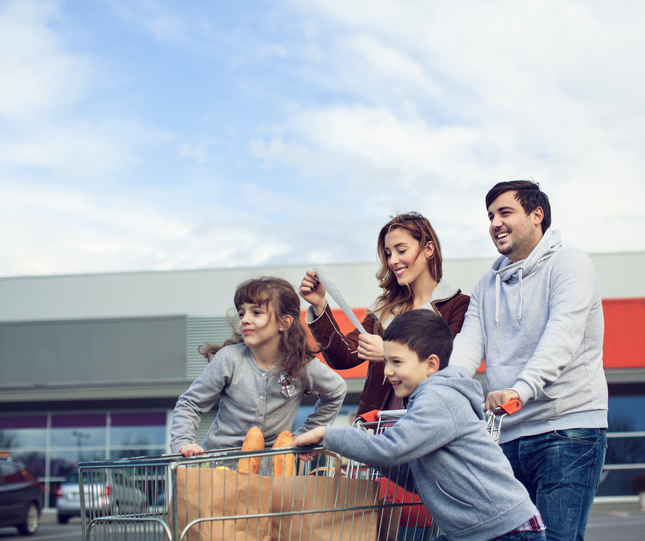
[[411, 277], [259, 375]]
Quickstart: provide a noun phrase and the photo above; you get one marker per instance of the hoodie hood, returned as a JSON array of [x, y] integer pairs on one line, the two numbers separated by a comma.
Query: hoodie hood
[[507, 271], [458, 378]]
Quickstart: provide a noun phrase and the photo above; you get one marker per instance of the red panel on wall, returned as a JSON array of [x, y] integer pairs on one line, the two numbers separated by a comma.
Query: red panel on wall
[[624, 345]]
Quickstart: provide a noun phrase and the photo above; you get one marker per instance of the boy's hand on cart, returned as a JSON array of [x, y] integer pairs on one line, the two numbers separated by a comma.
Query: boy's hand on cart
[[313, 437], [370, 347], [192, 449], [497, 398]]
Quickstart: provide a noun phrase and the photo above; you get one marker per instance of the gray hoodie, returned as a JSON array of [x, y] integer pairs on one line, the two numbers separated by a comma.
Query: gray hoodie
[[539, 325], [460, 473]]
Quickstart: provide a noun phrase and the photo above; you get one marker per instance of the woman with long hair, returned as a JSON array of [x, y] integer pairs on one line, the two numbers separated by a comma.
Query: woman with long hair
[[411, 277]]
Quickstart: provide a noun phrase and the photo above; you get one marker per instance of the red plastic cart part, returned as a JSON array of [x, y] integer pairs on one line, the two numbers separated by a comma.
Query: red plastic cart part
[[509, 407]]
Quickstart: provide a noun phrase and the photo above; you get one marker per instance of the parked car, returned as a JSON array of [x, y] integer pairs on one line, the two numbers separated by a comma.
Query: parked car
[[21, 497], [109, 492]]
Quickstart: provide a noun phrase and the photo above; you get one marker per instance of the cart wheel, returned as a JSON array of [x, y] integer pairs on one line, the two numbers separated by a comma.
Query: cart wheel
[[32, 520]]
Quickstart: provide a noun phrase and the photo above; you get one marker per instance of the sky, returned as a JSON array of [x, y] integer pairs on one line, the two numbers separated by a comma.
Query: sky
[[142, 135]]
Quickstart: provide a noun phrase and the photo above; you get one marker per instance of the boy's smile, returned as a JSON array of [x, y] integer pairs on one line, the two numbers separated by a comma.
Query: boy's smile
[[404, 369]]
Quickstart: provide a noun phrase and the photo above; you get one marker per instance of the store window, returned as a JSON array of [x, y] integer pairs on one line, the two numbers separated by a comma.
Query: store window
[[53, 444], [137, 434], [625, 446]]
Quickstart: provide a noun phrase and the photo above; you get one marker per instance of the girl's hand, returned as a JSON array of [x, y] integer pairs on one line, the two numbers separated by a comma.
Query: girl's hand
[[313, 292], [313, 437], [192, 449], [370, 347]]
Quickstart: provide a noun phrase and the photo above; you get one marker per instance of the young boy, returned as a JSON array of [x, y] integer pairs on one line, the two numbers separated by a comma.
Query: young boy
[[460, 473]]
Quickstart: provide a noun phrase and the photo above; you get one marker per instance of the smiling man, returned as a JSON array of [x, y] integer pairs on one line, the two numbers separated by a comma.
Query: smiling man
[[537, 320]]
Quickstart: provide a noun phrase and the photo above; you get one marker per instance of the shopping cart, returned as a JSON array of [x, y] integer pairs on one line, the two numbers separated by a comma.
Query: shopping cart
[[205, 498], [405, 508], [175, 498]]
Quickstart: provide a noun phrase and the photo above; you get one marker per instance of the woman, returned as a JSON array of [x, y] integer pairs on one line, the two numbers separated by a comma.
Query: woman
[[410, 275]]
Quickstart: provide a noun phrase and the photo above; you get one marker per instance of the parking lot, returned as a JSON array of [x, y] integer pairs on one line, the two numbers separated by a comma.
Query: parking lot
[[606, 523]]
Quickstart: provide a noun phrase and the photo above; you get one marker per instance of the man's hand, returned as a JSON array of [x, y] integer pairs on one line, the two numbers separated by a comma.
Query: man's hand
[[313, 437], [192, 449], [497, 398]]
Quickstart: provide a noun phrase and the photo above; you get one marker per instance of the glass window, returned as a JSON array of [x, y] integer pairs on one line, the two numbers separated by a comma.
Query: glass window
[[138, 436], [78, 437], [79, 430], [118, 454], [625, 450], [65, 462], [25, 431], [23, 438], [34, 460], [626, 414], [138, 430]]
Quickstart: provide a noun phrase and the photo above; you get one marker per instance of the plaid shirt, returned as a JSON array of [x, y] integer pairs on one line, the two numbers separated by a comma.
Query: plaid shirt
[[534, 524]]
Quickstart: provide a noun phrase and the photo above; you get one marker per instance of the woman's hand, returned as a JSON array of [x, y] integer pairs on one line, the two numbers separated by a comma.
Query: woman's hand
[[192, 449], [370, 347], [313, 292]]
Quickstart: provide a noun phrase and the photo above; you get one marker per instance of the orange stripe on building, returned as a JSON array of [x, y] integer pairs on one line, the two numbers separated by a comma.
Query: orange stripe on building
[[624, 345]]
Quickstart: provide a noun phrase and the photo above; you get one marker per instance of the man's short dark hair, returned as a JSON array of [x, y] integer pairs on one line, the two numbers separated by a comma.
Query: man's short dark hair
[[529, 195], [423, 332]]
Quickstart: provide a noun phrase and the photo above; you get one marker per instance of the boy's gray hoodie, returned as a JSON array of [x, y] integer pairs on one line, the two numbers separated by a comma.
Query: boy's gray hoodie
[[539, 325], [461, 474]]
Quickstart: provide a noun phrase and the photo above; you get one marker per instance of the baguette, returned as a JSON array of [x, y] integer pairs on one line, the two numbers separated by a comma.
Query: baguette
[[284, 465], [254, 441]]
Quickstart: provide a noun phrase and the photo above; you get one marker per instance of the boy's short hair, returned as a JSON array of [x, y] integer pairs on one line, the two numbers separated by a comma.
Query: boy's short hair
[[423, 332]]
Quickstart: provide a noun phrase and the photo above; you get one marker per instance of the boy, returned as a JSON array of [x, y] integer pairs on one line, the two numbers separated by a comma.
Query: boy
[[460, 473]]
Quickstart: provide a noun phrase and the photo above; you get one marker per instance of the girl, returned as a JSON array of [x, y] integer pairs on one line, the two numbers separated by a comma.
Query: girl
[[410, 275], [259, 375]]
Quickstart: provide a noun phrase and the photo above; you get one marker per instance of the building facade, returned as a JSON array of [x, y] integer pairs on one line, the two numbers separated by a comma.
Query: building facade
[[92, 365]]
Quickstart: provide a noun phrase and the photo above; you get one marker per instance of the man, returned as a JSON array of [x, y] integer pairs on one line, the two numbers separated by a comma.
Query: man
[[537, 320]]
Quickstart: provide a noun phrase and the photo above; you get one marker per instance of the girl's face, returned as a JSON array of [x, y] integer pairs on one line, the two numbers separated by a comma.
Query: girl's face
[[258, 326], [404, 255]]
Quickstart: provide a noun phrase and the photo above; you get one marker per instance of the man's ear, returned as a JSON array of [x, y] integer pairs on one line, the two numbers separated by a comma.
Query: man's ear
[[432, 365], [285, 323], [538, 216]]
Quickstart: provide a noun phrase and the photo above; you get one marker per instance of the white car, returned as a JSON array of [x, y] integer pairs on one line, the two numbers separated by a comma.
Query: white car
[[108, 492]]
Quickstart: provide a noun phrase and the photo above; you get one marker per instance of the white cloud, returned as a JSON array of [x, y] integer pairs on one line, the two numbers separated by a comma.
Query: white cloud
[[37, 76], [349, 113]]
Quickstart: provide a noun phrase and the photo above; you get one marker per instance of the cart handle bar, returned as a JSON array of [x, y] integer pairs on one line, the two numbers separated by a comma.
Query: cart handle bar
[[508, 408]]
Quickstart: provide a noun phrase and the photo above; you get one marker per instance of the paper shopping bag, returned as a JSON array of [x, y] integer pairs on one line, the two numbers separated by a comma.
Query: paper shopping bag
[[324, 507], [205, 497]]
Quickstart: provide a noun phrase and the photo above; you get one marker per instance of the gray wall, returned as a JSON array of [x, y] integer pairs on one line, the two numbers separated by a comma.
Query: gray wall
[[93, 351]]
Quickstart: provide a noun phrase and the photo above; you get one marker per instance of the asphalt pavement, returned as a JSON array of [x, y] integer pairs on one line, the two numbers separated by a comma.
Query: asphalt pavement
[[608, 522]]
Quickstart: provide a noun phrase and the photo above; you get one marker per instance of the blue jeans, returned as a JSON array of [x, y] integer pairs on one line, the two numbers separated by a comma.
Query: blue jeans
[[561, 471]]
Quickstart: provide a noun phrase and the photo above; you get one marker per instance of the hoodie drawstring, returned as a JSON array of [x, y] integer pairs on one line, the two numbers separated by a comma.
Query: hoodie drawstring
[[521, 301], [497, 296], [498, 292]]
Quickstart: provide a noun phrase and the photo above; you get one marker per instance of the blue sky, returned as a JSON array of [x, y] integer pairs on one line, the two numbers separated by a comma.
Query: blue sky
[[156, 135]]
